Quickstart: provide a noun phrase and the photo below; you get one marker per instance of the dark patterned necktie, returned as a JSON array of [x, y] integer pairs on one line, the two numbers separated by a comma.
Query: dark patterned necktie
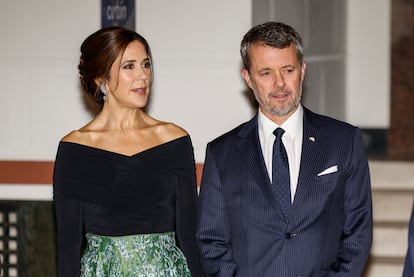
[[280, 172]]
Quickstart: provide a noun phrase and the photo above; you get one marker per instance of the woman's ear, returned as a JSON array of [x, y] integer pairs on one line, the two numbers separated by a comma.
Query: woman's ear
[[101, 84], [98, 82]]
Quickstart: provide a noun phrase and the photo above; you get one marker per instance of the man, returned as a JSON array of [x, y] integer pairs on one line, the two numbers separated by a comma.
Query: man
[[263, 214]]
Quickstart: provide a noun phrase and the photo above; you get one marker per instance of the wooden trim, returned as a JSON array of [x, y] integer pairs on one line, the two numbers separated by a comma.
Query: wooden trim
[[199, 173], [40, 172], [26, 172]]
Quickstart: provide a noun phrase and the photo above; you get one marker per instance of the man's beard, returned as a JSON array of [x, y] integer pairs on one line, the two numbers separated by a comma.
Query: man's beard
[[279, 112]]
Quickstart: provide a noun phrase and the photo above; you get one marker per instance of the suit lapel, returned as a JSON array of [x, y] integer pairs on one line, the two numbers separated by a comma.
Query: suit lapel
[[312, 151], [251, 151]]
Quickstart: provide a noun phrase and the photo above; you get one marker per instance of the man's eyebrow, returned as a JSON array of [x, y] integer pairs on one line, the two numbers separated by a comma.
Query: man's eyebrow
[[264, 69], [289, 65]]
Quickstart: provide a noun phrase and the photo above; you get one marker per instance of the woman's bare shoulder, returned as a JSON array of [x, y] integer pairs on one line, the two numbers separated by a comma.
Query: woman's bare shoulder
[[170, 131], [176, 130], [76, 136], [81, 136]]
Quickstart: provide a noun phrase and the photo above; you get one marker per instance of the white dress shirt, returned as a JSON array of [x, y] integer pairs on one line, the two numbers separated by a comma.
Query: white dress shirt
[[292, 140]]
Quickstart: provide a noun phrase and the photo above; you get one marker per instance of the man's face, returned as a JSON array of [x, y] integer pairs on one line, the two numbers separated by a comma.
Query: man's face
[[276, 80]]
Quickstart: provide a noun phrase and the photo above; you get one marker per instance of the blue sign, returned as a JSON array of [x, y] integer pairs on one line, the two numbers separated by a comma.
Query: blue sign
[[118, 13]]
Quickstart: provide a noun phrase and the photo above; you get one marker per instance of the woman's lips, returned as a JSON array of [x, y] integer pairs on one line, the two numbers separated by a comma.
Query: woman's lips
[[139, 90]]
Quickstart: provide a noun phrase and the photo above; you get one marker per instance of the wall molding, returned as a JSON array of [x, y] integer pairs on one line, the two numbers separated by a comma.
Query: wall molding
[[41, 172]]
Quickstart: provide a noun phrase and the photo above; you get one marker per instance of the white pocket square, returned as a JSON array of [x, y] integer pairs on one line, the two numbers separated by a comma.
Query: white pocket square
[[329, 170]]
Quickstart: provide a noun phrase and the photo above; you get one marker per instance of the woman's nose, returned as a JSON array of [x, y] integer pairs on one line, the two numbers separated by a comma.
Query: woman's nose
[[141, 74]]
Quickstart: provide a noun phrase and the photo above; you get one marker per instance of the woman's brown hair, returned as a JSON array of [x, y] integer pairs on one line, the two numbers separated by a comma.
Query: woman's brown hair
[[99, 51]]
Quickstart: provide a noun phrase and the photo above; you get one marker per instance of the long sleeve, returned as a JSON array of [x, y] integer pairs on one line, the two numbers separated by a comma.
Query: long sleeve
[[356, 239], [186, 218], [213, 230], [69, 235]]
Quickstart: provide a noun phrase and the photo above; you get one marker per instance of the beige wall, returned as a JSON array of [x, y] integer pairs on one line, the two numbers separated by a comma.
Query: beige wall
[[195, 46], [368, 63], [196, 52]]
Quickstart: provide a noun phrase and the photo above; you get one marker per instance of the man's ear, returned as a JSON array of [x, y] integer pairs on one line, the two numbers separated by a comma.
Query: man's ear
[[303, 70], [246, 76]]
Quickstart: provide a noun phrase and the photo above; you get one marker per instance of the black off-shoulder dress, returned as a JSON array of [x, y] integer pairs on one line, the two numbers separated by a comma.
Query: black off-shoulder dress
[[110, 194]]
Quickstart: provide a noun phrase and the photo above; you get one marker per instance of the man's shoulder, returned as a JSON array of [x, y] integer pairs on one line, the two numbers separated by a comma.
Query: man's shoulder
[[235, 133], [327, 122], [229, 135]]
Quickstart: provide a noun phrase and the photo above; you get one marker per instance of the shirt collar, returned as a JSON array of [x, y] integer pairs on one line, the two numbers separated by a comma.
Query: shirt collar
[[292, 126]]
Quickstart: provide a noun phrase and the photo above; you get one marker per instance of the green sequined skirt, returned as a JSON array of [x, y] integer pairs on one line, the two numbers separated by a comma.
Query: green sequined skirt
[[147, 255]]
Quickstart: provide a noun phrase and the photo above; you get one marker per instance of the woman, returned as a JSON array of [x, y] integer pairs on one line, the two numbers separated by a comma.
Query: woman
[[124, 184]]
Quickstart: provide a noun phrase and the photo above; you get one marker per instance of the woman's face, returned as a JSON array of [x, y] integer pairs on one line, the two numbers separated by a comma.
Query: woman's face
[[131, 77]]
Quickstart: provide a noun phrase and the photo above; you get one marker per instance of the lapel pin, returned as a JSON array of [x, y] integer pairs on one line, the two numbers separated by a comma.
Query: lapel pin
[[312, 139]]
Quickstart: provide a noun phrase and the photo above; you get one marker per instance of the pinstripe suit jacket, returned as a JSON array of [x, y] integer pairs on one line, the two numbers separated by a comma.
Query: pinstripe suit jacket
[[241, 229]]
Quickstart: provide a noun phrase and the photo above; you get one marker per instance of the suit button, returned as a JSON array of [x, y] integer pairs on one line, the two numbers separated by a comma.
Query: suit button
[[289, 235]]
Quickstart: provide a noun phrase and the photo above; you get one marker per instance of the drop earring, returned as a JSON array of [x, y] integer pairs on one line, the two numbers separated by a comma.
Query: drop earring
[[104, 92]]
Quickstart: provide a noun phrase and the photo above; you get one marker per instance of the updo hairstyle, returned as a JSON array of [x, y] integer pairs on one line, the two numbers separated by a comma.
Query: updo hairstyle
[[99, 51]]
